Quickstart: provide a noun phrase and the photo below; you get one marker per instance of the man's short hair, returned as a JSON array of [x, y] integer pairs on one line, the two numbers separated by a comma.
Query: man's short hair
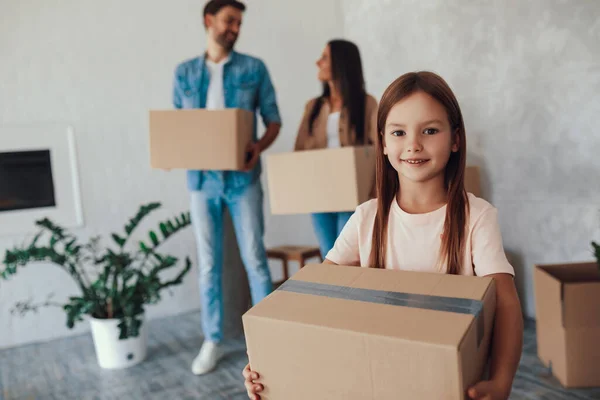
[[214, 6]]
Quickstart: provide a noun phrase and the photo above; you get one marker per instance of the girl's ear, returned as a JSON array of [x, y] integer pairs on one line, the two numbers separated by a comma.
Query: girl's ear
[[455, 141]]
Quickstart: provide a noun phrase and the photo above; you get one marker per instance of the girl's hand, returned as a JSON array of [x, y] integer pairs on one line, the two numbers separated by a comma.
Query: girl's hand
[[489, 390], [252, 386]]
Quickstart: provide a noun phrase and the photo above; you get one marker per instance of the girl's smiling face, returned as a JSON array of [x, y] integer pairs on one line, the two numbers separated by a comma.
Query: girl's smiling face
[[418, 139]]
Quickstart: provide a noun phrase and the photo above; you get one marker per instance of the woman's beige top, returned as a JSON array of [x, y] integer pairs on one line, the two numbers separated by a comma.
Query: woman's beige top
[[318, 139]]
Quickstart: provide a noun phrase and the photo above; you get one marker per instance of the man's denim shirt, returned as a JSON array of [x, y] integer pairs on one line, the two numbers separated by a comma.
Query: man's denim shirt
[[246, 85]]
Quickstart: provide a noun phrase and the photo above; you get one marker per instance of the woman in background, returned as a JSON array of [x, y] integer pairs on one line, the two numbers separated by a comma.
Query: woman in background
[[343, 115]]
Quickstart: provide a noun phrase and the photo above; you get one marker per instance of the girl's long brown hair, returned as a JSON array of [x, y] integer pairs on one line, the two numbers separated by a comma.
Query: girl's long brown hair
[[388, 185]]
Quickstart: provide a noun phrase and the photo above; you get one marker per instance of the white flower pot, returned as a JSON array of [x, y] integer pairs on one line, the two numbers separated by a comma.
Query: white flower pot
[[113, 353]]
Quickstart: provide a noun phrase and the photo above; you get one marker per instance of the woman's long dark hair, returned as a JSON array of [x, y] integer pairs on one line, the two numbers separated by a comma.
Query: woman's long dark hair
[[347, 73]]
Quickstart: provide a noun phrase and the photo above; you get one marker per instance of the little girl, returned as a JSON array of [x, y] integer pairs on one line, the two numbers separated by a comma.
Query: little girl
[[424, 220]]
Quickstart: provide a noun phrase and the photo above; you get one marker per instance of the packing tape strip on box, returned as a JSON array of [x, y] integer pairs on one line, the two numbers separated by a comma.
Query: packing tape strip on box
[[423, 301]]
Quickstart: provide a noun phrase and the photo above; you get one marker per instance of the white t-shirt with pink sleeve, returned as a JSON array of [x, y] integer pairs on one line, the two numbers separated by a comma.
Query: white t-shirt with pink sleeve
[[414, 240]]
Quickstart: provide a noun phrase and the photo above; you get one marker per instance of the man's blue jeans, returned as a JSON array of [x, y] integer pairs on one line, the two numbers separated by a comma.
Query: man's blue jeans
[[245, 205]]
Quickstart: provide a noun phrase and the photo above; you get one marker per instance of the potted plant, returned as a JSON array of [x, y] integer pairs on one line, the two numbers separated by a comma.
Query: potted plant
[[115, 283]]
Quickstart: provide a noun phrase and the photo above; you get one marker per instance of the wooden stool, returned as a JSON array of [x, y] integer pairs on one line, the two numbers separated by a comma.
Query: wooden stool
[[292, 253]]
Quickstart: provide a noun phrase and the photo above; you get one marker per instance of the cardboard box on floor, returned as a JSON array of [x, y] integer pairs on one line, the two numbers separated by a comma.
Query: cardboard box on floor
[[473, 180], [200, 139], [324, 180], [567, 298], [343, 344]]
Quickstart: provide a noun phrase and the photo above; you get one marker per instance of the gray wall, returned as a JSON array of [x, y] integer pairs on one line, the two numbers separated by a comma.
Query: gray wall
[[100, 66], [527, 76]]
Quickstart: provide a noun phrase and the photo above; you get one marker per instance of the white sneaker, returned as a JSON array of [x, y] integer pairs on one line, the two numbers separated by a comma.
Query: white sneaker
[[207, 359]]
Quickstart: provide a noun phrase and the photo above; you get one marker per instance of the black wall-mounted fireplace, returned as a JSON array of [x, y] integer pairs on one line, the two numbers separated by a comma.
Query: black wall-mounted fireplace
[[26, 180]]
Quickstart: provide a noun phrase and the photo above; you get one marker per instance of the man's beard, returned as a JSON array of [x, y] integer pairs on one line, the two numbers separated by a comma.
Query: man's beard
[[225, 40]]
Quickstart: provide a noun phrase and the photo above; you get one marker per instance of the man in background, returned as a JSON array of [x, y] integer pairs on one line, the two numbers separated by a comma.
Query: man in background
[[222, 78]]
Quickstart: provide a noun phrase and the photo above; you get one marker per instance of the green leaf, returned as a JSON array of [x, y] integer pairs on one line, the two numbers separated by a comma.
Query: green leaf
[[167, 229], [69, 245], [76, 309], [163, 230], [141, 214], [165, 263], [144, 248], [153, 238], [35, 239], [118, 240], [179, 278], [53, 228]]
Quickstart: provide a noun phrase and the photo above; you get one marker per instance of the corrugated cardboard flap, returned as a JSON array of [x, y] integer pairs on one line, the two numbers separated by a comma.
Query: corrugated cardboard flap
[[581, 296], [473, 180], [365, 171], [579, 293], [425, 323]]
